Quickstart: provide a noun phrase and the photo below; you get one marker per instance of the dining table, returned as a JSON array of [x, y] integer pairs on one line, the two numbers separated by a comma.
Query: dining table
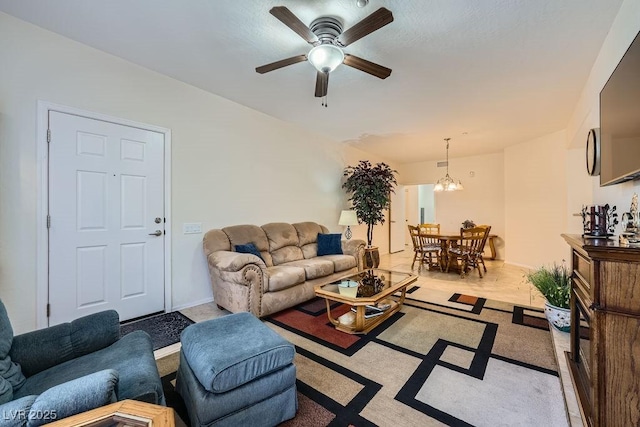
[[448, 239]]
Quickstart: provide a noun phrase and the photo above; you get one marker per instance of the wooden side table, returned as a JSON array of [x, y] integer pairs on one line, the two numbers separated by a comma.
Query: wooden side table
[[123, 413]]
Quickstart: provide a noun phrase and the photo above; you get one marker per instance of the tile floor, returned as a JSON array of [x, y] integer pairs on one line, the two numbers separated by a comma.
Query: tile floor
[[501, 282]]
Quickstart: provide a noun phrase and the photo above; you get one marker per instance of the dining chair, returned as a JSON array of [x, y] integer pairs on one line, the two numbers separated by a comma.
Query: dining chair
[[430, 228], [424, 248], [468, 249], [429, 235], [480, 255]]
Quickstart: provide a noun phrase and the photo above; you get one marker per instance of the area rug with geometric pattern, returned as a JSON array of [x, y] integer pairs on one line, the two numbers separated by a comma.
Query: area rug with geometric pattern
[[443, 359]]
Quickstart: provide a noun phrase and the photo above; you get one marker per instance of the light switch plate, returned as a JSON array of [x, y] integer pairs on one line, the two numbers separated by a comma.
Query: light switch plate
[[192, 227]]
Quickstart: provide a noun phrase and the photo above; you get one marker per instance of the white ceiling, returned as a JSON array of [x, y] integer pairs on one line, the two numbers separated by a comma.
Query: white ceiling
[[487, 73]]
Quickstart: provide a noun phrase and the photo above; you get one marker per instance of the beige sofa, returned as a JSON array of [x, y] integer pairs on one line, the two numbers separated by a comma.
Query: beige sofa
[[289, 272]]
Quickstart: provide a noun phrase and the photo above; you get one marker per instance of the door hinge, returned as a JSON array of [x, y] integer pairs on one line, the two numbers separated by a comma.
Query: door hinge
[[48, 221], [48, 310], [48, 135]]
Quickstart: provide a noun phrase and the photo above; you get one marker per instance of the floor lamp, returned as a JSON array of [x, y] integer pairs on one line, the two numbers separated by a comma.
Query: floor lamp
[[348, 218]]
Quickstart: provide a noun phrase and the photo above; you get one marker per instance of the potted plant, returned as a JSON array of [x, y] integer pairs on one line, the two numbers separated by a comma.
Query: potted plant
[[467, 223], [370, 187], [554, 283]]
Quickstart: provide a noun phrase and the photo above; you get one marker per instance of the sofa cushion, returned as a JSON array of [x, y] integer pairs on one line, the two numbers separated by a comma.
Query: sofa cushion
[[229, 351], [329, 244], [308, 236], [131, 357], [10, 372], [243, 234], [341, 262], [283, 277], [308, 232], [215, 240], [314, 267], [6, 391], [249, 248], [283, 242]]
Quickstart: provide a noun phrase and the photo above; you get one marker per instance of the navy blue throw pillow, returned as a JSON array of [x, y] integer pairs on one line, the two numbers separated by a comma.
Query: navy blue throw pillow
[[249, 248], [329, 244]]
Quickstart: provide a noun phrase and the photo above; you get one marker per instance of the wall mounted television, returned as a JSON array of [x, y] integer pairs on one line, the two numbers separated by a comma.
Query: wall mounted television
[[620, 120]]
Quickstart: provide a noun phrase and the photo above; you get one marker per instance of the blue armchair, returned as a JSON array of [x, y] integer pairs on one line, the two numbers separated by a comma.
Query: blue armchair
[[70, 368]]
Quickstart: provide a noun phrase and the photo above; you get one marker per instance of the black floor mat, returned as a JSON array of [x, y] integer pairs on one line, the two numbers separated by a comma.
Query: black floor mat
[[165, 329]]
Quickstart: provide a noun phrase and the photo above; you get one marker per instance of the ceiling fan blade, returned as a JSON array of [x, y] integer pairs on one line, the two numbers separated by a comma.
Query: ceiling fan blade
[[279, 64], [367, 66], [290, 20], [322, 84], [368, 25]]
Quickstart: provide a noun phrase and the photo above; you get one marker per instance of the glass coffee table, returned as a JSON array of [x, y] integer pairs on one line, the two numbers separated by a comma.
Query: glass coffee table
[[371, 303]]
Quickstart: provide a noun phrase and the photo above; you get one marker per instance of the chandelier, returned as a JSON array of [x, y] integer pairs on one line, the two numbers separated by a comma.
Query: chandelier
[[447, 183]]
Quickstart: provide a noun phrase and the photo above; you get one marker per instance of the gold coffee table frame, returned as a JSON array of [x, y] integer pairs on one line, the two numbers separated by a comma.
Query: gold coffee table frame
[[394, 281], [126, 413]]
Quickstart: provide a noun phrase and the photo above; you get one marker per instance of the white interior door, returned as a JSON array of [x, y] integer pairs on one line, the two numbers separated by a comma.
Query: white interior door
[[106, 207], [412, 210], [397, 220]]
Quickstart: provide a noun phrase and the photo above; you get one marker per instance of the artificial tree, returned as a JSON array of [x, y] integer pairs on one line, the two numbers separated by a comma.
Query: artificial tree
[[370, 187]]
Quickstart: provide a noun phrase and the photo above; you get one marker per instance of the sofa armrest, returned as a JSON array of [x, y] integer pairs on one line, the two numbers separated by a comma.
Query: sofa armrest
[[355, 247], [233, 261], [41, 349], [64, 400], [238, 281]]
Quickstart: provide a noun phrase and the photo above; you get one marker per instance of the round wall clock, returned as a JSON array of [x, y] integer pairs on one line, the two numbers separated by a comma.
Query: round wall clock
[[593, 152]]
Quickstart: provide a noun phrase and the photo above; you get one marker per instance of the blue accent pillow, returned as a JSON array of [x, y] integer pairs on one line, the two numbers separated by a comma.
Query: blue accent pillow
[[329, 244], [249, 248]]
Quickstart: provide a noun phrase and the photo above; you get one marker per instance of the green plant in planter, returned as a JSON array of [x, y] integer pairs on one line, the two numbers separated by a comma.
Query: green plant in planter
[[554, 283], [370, 187]]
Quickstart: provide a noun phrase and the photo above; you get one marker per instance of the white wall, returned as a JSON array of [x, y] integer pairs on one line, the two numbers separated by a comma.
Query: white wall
[[579, 189], [482, 199], [586, 114], [536, 201], [230, 164]]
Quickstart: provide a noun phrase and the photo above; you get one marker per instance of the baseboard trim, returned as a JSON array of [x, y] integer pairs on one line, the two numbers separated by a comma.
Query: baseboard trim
[[166, 351], [515, 264], [192, 304]]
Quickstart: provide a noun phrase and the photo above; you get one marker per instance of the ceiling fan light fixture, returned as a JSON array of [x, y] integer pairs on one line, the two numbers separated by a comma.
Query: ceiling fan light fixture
[[362, 3], [326, 57]]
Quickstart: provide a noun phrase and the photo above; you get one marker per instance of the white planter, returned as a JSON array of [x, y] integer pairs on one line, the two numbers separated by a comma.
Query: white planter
[[560, 318]]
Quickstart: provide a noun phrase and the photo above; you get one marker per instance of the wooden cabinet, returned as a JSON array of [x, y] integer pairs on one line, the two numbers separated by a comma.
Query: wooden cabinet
[[605, 331]]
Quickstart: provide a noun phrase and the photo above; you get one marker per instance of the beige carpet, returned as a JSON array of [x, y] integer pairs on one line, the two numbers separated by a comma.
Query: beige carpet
[[445, 359]]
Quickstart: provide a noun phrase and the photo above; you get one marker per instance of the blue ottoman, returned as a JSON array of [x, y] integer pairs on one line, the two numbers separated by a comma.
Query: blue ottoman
[[236, 371]]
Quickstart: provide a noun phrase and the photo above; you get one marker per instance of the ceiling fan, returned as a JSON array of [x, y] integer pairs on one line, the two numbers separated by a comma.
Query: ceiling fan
[[326, 36]]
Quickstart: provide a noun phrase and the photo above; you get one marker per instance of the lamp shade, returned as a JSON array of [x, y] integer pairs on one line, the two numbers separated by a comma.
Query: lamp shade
[[348, 217], [325, 57]]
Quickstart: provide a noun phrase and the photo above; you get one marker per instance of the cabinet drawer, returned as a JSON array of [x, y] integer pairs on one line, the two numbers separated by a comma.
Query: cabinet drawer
[[582, 269]]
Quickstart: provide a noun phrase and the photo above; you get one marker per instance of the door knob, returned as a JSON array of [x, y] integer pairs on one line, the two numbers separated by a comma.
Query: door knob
[[157, 233]]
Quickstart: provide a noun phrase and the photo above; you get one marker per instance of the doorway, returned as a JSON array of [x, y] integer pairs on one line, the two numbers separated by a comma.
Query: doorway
[[418, 208], [106, 217]]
